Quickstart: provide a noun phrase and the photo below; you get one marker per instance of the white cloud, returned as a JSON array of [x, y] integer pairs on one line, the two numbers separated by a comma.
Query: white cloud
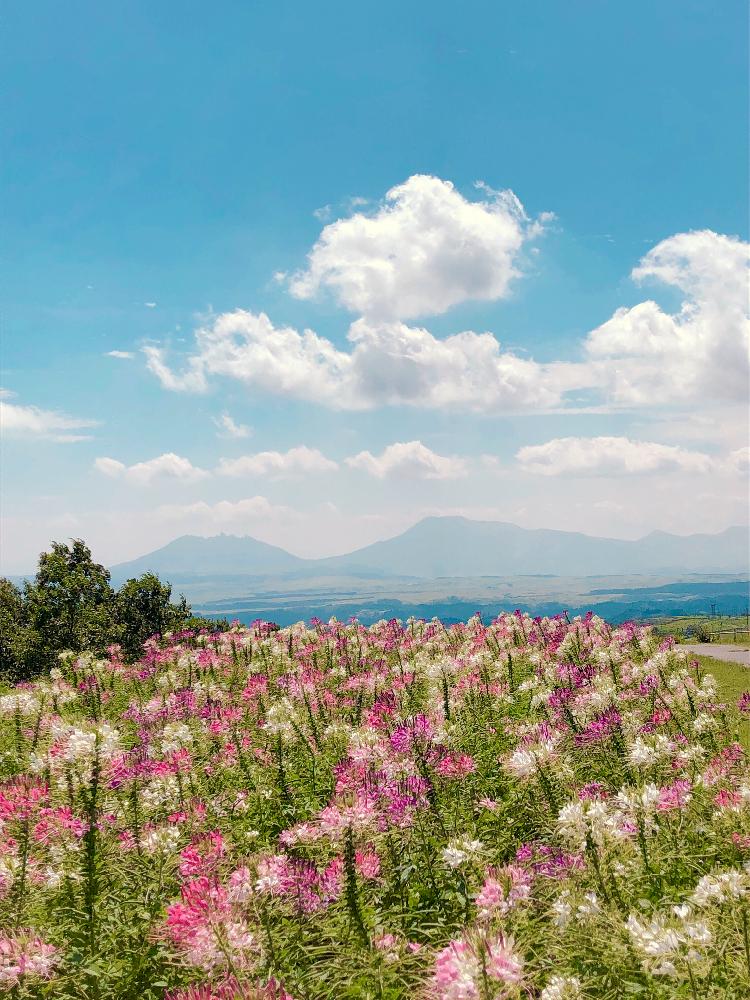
[[397, 364], [425, 249], [388, 364], [641, 356], [409, 460], [322, 214], [121, 355], [276, 464], [644, 355], [192, 380], [150, 305], [33, 422], [226, 513], [738, 462], [229, 428], [608, 456], [167, 466], [250, 348]]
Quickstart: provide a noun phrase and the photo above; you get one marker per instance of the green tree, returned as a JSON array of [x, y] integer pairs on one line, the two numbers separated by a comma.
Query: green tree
[[70, 603], [143, 608], [18, 641]]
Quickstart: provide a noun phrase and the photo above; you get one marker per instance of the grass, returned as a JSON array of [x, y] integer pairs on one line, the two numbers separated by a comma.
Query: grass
[[732, 679], [705, 625], [741, 642]]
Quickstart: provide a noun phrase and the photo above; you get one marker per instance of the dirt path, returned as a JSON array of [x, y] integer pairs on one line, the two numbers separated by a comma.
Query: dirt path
[[719, 651]]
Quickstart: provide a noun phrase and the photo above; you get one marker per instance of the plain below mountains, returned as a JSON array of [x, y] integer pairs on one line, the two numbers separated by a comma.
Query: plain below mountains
[[455, 547]]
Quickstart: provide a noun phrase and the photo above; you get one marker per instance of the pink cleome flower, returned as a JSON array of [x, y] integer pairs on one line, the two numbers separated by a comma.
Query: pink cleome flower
[[208, 928], [25, 954], [462, 968], [504, 889], [231, 989]]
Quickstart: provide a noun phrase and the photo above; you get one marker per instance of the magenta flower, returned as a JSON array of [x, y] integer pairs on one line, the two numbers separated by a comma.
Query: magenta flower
[[599, 729], [209, 928], [674, 796]]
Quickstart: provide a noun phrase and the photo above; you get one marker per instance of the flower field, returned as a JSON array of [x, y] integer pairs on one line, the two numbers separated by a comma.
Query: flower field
[[526, 808]]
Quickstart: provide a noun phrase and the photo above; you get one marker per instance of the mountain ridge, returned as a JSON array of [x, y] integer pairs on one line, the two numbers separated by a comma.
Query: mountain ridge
[[457, 546]]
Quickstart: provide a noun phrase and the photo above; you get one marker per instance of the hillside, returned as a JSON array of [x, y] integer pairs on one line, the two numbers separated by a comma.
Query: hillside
[[191, 555], [457, 547]]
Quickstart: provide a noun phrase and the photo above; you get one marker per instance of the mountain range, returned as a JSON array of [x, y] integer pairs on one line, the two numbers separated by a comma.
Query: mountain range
[[456, 547]]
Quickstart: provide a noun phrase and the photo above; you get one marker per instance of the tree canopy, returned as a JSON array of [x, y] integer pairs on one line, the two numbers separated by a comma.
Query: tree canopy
[[71, 605]]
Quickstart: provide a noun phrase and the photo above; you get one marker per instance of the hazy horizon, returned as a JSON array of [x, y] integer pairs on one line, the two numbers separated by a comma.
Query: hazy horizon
[[347, 551]]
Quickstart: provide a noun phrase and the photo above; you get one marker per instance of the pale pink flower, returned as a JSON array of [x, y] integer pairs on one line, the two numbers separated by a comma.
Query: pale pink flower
[[231, 989], [503, 890], [503, 963], [25, 954], [456, 973]]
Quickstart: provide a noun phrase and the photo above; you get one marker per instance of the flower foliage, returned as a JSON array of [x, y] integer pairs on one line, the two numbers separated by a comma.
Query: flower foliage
[[525, 808]]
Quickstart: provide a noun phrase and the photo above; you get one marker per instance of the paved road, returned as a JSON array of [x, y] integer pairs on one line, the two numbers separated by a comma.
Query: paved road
[[719, 651]]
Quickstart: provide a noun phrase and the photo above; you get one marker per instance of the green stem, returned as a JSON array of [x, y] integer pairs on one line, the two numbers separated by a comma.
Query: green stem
[[693, 988], [352, 896]]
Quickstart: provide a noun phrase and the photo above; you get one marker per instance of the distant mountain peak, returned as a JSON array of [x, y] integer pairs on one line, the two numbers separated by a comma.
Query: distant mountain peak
[[456, 546], [221, 554]]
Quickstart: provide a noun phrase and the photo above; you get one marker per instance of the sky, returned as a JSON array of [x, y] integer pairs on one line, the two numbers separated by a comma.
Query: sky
[[311, 272]]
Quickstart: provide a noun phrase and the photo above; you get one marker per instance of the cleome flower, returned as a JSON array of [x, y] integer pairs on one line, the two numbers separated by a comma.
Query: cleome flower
[[460, 852], [464, 965], [24, 955], [337, 804], [667, 946]]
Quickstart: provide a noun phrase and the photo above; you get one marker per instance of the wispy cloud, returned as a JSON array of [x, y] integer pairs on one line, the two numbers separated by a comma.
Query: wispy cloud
[[34, 422], [229, 428], [238, 514]]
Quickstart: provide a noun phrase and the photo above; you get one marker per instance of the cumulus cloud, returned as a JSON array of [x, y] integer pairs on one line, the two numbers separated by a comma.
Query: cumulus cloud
[[121, 355], [167, 466], [397, 364], [248, 347], [277, 464], [640, 356], [229, 428], [409, 460], [33, 422], [608, 456], [387, 364], [425, 249], [645, 355]]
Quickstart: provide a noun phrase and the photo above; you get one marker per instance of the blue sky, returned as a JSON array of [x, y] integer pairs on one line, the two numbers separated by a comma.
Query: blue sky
[[170, 164]]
